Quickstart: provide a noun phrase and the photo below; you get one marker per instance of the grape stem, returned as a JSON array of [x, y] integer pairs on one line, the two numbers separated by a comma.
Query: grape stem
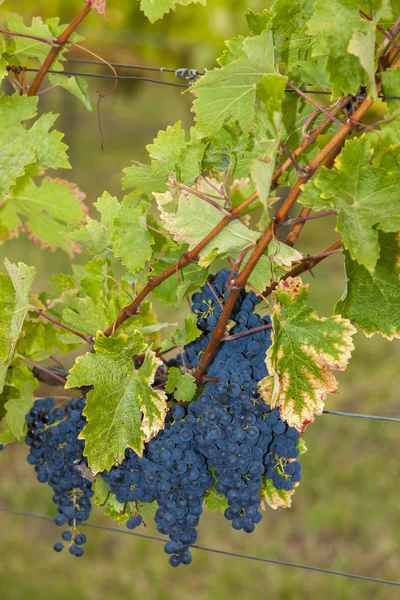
[[299, 219], [43, 369], [307, 264], [57, 46], [236, 336], [61, 325], [51, 43]]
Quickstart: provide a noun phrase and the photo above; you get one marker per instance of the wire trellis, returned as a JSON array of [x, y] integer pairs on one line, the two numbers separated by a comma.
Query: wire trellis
[[272, 561]]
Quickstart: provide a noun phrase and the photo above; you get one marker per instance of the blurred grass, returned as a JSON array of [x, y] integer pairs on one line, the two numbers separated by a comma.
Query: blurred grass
[[345, 513]]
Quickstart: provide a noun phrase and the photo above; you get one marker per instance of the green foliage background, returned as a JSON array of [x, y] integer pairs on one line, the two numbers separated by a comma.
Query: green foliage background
[[345, 514]]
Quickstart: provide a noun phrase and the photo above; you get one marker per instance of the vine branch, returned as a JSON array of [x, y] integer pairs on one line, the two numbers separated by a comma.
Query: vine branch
[[58, 44], [307, 264]]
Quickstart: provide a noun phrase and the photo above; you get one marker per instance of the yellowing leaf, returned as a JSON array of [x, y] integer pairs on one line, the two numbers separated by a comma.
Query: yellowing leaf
[[305, 349], [275, 498], [43, 213], [14, 304], [123, 410]]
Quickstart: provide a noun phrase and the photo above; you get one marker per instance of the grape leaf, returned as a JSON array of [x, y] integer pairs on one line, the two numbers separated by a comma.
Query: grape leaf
[[390, 131], [277, 260], [348, 43], [156, 9], [364, 193], [14, 304], [185, 228], [123, 410], [168, 146], [121, 233], [21, 147], [275, 498], [304, 350], [41, 339], [172, 290], [230, 92], [16, 400], [77, 86], [43, 213], [372, 300], [188, 334], [131, 239], [146, 179], [97, 236], [215, 501], [183, 385], [271, 91], [22, 49]]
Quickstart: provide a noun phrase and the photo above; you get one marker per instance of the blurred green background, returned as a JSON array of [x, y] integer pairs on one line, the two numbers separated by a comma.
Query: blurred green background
[[345, 513]]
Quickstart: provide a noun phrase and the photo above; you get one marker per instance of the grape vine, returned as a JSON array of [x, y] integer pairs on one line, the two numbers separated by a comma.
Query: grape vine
[[212, 414]]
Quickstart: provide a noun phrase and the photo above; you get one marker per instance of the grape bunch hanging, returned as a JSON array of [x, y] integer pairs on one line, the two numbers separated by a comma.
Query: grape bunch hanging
[[227, 440]]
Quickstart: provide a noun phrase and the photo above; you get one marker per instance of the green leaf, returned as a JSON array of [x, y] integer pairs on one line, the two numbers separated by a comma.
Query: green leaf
[[77, 86], [230, 92], [304, 350], [347, 41], [271, 92], [277, 260], [364, 193], [183, 385], [101, 491], [172, 291], [123, 411], [181, 337], [168, 146], [390, 131], [146, 179], [3, 69], [16, 400], [131, 239], [21, 147], [93, 278], [97, 236], [40, 340], [258, 22], [156, 9], [372, 300], [22, 49], [185, 228], [43, 213], [215, 501], [14, 304]]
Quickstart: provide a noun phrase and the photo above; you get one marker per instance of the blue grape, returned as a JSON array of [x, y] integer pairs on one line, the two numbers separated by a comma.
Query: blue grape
[[55, 451]]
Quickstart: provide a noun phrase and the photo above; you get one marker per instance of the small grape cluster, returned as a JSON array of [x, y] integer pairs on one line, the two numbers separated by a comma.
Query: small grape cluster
[[173, 473], [55, 451]]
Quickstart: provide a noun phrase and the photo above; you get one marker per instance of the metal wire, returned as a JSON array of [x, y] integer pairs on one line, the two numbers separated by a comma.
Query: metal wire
[[161, 70], [272, 561], [87, 61], [359, 416], [100, 76]]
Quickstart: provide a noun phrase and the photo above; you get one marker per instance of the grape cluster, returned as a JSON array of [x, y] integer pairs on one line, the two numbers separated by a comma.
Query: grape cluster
[[56, 451], [241, 438], [228, 438], [173, 473]]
